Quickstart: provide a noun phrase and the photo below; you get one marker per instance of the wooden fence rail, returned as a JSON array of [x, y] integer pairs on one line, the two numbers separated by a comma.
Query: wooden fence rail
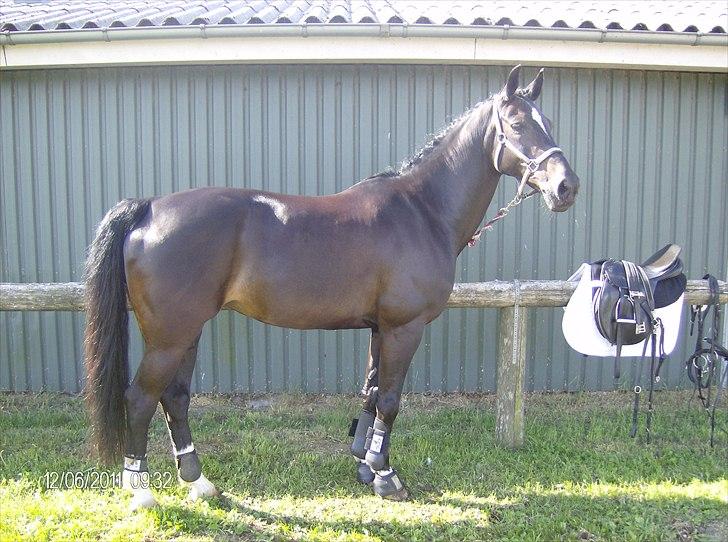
[[512, 298], [68, 296]]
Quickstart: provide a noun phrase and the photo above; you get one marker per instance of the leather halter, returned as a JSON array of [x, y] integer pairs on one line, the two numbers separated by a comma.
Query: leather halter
[[531, 165]]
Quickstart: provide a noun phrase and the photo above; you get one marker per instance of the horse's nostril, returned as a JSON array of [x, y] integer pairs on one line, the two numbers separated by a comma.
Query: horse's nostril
[[564, 188], [568, 187]]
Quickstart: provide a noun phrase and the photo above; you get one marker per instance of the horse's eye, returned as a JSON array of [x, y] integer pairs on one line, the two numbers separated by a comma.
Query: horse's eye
[[518, 126]]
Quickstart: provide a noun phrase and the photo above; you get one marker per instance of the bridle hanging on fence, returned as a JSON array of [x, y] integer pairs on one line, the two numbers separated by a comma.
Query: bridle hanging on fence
[[531, 165], [704, 366]]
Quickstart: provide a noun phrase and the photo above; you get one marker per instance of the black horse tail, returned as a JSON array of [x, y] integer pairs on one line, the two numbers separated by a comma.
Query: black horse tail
[[106, 337]]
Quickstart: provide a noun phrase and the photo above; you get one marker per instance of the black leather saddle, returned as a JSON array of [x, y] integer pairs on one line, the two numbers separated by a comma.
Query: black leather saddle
[[625, 295]]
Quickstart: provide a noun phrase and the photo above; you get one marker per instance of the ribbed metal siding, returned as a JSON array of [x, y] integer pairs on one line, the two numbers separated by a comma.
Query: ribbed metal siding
[[650, 148]]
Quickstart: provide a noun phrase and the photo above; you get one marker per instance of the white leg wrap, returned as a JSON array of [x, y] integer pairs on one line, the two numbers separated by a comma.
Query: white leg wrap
[[142, 496], [202, 487], [187, 449]]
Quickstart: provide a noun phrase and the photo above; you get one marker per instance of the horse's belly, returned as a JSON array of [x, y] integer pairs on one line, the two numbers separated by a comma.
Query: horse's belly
[[302, 302], [301, 316]]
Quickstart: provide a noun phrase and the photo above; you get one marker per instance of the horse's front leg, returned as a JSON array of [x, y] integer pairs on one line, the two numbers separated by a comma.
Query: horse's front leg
[[366, 418], [397, 347]]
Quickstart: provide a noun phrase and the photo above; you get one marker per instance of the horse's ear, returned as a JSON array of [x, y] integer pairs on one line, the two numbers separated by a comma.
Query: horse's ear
[[512, 84], [533, 90]]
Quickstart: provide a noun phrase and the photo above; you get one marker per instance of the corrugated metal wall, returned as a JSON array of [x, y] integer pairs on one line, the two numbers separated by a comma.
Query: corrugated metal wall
[[650, 148]]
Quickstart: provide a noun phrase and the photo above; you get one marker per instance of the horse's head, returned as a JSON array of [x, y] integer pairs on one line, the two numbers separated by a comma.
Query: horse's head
[[523, 146]]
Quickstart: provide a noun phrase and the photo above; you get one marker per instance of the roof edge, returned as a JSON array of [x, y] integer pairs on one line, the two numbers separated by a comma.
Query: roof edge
[[386, 30], [379, 44]]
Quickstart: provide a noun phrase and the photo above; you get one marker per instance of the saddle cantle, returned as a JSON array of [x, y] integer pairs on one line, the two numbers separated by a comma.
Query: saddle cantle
[[625, 295], [665, 272]]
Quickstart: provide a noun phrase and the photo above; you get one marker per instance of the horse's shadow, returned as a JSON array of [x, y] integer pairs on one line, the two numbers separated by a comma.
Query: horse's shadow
[[480, 518], [247, 521]]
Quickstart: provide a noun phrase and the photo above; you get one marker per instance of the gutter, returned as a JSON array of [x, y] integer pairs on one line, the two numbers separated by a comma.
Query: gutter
[[364, 44], [363, 30]]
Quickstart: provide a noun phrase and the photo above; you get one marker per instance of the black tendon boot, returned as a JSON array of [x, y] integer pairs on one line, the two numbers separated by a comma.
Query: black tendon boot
[[386, 483], [358, 447]]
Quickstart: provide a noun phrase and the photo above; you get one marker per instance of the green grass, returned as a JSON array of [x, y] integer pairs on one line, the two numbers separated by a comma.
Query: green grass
[[287, 475]]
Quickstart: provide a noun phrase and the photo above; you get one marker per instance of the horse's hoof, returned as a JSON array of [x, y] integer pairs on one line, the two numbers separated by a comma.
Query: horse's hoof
[[364, 474], [200, 488], [388, 486], [401, 495], [142, 498]]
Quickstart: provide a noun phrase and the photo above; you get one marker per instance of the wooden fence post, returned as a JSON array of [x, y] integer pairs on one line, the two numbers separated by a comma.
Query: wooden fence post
[[511, 373]]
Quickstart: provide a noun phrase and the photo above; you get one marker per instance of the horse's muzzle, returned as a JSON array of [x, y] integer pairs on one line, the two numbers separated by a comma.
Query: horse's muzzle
[[566, 192], [560, 186]]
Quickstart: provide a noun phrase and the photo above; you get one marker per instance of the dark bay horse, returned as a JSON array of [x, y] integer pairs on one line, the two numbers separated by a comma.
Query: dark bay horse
[[379, 255]]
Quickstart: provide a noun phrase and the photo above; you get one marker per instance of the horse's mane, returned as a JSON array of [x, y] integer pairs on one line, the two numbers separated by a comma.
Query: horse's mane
[[433, 141]]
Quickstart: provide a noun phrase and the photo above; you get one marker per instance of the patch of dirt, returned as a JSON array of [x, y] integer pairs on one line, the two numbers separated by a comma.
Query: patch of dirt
[[309, 441], [318, 402], [714, 531], [564, 400], [225, 404], [684, 530], [10, 400], [421, 401]]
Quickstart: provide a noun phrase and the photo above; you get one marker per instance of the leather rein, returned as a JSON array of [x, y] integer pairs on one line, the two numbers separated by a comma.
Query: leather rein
[[531, 165]]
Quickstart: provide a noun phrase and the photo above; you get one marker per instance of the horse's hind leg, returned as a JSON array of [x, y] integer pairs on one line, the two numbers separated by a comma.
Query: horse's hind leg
[[158, 367], [366, 418], [398, 345], [176, 402]]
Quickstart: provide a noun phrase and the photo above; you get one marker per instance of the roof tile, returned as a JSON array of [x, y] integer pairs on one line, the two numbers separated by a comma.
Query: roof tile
[[242, 12], [361, 12], [666, 16]]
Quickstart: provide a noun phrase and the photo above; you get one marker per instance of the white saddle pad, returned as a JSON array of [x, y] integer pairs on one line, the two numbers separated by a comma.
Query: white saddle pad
[[581, 332]]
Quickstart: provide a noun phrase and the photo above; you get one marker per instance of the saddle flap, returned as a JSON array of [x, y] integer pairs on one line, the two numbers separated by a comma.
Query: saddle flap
[[623, 303], [667, 291]]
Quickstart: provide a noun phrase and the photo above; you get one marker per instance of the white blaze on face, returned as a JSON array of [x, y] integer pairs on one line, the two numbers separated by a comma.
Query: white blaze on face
[[535, 115], [278, 207], [552, 180]]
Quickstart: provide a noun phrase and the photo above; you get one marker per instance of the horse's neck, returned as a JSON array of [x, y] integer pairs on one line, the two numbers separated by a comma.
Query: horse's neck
[[460, 180]]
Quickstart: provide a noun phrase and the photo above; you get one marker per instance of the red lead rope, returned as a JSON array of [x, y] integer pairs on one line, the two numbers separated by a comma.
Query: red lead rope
[[503, 211], [487, 226]]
